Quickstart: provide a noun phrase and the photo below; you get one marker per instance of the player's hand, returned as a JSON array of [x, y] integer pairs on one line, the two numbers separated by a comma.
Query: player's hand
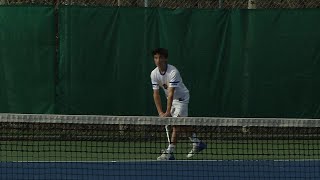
[[161, 114], [167, 114]]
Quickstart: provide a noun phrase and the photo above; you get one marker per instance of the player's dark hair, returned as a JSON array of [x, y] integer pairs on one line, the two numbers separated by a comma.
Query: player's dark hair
[[162, 51]]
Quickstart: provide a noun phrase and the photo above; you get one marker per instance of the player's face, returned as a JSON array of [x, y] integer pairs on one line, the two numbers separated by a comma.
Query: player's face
[[160, 61]]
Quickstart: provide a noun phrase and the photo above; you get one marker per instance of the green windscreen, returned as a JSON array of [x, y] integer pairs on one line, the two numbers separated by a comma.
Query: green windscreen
[[236, 63], [27, 53]]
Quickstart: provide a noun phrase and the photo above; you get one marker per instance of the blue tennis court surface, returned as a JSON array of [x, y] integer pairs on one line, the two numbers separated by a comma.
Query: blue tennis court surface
[[244, 169]]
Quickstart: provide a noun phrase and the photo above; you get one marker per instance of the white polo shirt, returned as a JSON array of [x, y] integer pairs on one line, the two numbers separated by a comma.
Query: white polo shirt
[[171, 78]]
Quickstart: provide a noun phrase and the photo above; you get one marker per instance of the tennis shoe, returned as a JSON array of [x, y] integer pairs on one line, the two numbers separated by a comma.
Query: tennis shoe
[[166, 155], [196, 149]]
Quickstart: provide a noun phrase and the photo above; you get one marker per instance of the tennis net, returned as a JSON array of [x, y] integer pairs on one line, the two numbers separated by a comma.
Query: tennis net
[[43, 146]]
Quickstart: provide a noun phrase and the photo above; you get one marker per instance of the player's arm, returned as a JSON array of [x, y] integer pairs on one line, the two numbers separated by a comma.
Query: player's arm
[[157, 101], [169, 101], [156, 94]]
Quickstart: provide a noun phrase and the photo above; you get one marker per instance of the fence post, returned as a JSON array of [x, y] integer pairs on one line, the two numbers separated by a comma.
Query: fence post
[[146, 3], [220, 3], [252, 4]]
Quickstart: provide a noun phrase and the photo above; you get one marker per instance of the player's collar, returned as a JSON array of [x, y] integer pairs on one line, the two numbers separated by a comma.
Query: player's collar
[[163, 73]]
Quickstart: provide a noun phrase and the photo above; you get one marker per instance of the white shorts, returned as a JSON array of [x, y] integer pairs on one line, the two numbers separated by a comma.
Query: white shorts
[[179, 109]]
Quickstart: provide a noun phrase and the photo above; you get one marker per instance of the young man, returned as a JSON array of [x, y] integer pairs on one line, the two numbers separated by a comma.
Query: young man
[[168, 78]]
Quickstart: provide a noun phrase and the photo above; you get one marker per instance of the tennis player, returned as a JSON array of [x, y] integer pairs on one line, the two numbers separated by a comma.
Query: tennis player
[[168, 78]]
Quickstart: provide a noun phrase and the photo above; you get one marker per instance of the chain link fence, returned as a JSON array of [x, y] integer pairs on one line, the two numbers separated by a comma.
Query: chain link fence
[[212, 4]]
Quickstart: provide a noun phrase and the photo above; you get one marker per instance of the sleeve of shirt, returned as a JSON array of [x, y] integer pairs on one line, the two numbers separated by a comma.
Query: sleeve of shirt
[[174, 79], [155, 84]]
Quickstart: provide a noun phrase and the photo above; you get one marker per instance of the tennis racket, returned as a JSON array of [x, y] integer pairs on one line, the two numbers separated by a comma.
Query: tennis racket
[[167, 132]]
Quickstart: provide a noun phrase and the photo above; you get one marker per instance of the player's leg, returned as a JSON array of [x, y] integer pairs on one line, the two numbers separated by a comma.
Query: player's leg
[[181, 110], [196, 148], [176, 130], [167, 154], [197, 144]]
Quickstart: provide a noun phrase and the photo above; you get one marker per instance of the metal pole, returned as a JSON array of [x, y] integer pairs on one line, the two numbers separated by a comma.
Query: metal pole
[[252, 4], [145, 3], [220, 3], [119, 2]]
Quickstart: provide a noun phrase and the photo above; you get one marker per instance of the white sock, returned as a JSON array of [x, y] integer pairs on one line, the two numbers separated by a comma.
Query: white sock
[[194, 139], [171, 148]]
